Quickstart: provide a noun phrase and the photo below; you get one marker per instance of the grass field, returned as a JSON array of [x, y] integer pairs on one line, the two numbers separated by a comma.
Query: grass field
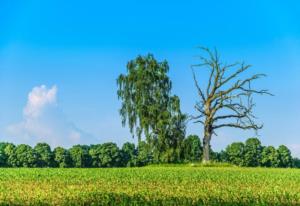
[[150, 186]]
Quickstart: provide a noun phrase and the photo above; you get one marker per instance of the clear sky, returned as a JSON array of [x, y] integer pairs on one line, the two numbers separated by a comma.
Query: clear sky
[[59, 61]]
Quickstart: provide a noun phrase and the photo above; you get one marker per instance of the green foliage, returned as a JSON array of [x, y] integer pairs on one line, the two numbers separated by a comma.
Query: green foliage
[[296, 162], [285, 156], [44, 155], [235, 153], [144, 154], [129, 155], [167, 142], [62, 157], [253, 154], [253, 151], [270, 157], [24, 156], [221, 157], [109, 155], [145, 93], [9, 151], [80, 156], [3, 155], [212, 164], [95, 152], [149, 108], [192, 149], [105, 155], [3, 158]]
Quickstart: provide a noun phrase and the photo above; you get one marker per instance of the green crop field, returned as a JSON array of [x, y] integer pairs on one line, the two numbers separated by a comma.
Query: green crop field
[[150, 186]]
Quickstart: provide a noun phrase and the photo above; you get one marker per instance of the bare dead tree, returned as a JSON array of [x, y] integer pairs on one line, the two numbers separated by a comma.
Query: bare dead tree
[[227, 100]]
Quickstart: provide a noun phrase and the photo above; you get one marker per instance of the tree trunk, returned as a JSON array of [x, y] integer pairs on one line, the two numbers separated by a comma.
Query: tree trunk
[[206, 146]]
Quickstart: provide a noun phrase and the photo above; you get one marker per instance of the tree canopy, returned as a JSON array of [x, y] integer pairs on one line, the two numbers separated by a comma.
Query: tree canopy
[[192, 148], [44, 154], [149, 108]]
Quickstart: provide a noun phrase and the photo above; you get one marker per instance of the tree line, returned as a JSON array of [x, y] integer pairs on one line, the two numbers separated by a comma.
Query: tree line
[[248, 154]]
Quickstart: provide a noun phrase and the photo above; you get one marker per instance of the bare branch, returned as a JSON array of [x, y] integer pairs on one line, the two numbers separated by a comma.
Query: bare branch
[[239, 86], [229, 116], [200, 92], [239, 71], [200, 121], [239, 126]]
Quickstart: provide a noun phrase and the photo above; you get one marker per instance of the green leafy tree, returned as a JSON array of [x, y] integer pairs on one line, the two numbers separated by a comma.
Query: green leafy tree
[[3, 159], [221, 156], [226, 101], [192, 149], [149, 108], [144, 154], [9, 151], [94, 152], [80, 156], [3, 155], [235, 153], [167, 143], [106, 155], [285, 156], [129, 155], [25, 156], [253, 150], [44, 154], [110, 155], [270, 157], [62, 157]]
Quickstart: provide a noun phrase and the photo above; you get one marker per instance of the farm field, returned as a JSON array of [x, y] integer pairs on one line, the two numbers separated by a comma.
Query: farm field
[[150, 186]]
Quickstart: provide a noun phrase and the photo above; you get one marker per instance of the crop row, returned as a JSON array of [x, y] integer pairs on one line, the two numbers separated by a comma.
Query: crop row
[[150, 186]]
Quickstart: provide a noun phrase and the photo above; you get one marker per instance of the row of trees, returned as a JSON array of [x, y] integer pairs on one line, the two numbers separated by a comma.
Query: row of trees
[[253, 154], [100, 155], [250, 154], [80, 156]]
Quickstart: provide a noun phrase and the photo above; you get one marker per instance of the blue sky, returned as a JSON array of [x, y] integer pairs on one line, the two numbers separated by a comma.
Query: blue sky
[[77, 49]]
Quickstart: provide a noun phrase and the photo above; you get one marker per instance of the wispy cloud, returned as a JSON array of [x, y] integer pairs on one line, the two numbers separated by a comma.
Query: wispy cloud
[[44, 121]]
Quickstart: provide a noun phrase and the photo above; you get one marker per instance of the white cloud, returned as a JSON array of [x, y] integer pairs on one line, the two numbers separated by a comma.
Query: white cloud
[[43, 121], [38, 99]]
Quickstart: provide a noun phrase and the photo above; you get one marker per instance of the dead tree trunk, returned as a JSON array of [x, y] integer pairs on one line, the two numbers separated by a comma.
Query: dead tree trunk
[[206, 148]]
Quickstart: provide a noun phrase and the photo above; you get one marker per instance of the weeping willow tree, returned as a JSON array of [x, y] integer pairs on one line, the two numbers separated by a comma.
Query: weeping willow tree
[[149, 109], [227, 99]]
